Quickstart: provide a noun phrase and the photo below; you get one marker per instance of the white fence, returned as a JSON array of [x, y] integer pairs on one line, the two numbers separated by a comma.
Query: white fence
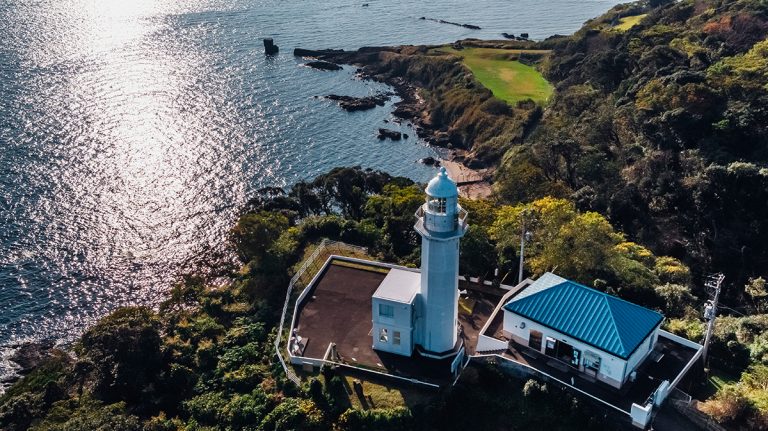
[[310, 264]]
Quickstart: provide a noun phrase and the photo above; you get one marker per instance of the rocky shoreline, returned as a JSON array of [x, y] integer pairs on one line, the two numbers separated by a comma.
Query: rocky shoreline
[[411, 109], [23, 359]]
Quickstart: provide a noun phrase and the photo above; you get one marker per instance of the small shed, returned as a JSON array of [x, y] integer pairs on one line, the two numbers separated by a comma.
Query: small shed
[[592, 332], [393, 312]]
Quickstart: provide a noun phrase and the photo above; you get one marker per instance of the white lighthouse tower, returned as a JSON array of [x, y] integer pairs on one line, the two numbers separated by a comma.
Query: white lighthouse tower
[[441, 222]]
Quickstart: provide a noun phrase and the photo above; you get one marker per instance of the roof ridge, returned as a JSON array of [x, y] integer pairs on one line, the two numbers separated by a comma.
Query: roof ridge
[[612, 297], [615, 324]]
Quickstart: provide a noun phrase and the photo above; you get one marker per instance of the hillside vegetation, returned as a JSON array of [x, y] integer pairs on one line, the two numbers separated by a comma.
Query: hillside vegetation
[[663, 128], [647, 168]]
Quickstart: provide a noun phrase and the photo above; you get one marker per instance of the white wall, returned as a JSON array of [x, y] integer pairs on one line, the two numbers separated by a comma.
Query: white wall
[[641, 415], [641, 353], [439, 294], [402, 321], [611, 367], [489, 344]]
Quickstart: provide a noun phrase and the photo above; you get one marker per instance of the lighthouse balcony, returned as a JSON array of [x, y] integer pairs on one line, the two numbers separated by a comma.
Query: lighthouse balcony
[[458, 228]]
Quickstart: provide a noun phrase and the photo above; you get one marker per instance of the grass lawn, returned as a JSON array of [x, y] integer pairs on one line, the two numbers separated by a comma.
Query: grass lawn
[[381, 394], [508, 79], [717, 379], [628, 22]]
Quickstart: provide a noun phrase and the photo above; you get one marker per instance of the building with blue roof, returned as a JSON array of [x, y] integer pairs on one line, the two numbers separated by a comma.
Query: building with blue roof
[[593, 332]]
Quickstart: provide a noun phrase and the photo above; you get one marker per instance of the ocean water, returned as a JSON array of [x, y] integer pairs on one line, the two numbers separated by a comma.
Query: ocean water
[[132, 131]]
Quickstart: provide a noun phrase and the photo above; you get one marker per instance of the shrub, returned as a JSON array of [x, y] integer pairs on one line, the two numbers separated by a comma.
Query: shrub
[[294, 414], [728, 405], [399, 419], [124, 348]]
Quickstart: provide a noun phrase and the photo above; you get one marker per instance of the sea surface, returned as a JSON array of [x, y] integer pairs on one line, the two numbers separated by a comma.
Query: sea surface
[[131, 131]]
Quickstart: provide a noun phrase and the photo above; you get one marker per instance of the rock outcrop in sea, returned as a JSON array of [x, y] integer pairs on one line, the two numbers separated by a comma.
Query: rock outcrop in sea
[[351, 104], [269, 46], [389, 134], [323, 65]]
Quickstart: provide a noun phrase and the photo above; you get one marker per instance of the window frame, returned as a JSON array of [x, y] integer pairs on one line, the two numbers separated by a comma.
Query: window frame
[[390, 314]]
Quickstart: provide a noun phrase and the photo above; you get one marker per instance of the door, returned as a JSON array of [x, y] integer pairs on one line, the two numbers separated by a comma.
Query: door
[[534, 340]]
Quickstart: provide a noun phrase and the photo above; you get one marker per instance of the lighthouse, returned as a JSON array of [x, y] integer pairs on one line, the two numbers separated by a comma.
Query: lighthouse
[[441, 222], [419, 309]]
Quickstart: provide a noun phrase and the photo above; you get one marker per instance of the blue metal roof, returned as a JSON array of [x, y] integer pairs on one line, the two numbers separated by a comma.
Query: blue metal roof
[[596, 318]]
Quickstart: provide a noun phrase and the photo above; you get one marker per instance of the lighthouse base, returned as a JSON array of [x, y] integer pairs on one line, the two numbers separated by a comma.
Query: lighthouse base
[[441, 355]]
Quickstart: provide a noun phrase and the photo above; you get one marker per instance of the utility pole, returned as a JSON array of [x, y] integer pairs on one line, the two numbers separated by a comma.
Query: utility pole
[[715, 281], [524, 236]]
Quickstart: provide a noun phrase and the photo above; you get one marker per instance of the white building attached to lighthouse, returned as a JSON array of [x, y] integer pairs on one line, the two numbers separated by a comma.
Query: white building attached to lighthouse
[[419, 309]]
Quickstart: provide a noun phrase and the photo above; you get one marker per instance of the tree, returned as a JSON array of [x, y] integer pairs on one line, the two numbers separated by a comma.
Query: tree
[[124, 349], [583, 247], [756, 289], [255, 233]]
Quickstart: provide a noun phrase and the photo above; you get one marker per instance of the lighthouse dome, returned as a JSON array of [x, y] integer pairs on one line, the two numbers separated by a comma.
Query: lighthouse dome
[[442, 186]]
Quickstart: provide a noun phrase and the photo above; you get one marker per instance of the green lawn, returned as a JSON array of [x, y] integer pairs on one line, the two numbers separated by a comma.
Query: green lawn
[[716, 380], [508, 79], [628, 22]]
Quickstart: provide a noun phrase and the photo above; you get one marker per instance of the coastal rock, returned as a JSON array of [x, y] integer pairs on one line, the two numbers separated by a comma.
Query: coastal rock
[[351, 104], [442, 21], [391, 134], [440, 139], [508, 36], [269, 46], [300, 52], [30, 355], [430, 161], [524, 35], [405, 111], [323, 65], [9, 379]]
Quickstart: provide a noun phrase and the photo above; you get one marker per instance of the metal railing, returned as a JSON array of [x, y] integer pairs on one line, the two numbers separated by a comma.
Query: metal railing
[[461, 216], [298, 282]]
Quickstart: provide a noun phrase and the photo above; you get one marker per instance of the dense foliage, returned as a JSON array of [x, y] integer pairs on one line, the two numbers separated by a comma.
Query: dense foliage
[[660, 125], [663, 128], [205, 360]]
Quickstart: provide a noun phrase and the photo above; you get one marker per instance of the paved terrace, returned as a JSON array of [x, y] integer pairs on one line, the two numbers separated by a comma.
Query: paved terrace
[[476, 304], [338, 310], [650, 374]]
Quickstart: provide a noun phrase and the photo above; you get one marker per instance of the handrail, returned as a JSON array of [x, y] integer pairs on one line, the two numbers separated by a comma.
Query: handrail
[[307, 264], [289, 372]]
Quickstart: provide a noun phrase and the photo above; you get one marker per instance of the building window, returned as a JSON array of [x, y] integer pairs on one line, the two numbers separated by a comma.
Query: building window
[[591, 361], [386, 310], [396, 338], [383, 336], [550, 347], [437, 205]]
